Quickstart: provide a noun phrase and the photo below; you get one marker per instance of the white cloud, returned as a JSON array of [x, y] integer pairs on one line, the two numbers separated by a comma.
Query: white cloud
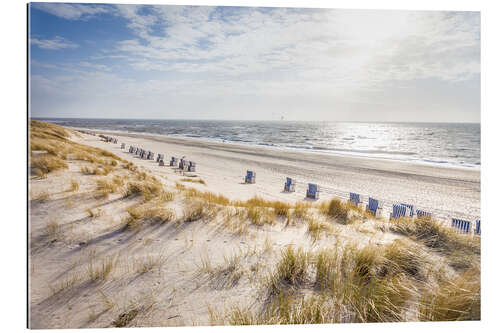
[[53, 44], [336, 44], [336, 64], [71, 11]]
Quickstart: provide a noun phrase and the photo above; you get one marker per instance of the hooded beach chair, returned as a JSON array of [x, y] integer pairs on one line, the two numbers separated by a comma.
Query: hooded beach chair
[[192, 166], [398, 211], [250, 177], [289, 185], [409, 209], [477, 229], [151, 155], [374, 206], [462, 225], [423, 214], [122, 146], [312, 191], [173, 161], [354, 198], [159, 157]]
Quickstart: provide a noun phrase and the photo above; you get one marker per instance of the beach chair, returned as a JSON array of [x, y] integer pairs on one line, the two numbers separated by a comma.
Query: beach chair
[[463, 226], [151, 155], [477, 229], [312, 191], [115, 141], [354, 198], [173, 161], [159, 157], [250, 177], [423, 214], [289, 185], [374, 207], [122, 146], [398, 211], [409, 209], [192, 166]]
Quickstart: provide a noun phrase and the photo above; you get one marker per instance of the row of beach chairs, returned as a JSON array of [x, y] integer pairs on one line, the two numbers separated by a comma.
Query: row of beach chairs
[[182, 163], [108, 138], [311, 192], [87, 132], [374, 206]]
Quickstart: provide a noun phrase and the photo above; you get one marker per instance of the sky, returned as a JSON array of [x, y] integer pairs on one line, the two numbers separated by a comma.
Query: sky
[[253, 63]]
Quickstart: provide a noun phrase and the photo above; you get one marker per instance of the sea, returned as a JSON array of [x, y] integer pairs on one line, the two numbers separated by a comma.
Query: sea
[[447, 144]]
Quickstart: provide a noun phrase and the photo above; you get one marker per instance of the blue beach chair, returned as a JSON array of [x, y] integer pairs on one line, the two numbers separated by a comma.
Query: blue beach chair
[[354, 198], [289, 185], [462, 225], [409, 208], [192, 166], [374, 206], [398, 211], [477, 229], [250, 177], [312, 191], [423, 214], [173, 161]]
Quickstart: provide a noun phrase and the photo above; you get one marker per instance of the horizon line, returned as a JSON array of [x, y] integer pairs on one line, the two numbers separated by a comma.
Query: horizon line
[[274, 120]]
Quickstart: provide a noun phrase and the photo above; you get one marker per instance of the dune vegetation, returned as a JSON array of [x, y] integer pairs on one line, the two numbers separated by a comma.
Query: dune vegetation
[[344, 265]]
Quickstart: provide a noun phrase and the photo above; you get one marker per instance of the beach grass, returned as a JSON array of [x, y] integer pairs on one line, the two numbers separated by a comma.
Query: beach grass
[[417, 270]]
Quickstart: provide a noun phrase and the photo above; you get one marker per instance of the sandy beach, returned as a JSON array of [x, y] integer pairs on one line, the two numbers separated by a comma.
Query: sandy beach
[[445, 191], [118, 241]]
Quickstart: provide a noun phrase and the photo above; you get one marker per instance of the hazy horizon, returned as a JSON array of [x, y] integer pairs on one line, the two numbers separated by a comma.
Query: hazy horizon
[[270, 120], [173, 62]]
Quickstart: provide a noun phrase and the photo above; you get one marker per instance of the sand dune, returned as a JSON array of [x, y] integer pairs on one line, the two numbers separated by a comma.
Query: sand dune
[[113, 243]]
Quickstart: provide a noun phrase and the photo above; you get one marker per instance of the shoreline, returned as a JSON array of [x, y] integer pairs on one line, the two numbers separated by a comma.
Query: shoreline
[[334, 153], [447, 192]]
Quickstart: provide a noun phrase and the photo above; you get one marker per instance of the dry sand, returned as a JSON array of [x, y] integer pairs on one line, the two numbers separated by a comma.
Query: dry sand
[[445, 191], [178, 290]]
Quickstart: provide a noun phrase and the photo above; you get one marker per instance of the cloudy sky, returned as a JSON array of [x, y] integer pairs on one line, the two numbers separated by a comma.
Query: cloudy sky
[[187, 62]]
